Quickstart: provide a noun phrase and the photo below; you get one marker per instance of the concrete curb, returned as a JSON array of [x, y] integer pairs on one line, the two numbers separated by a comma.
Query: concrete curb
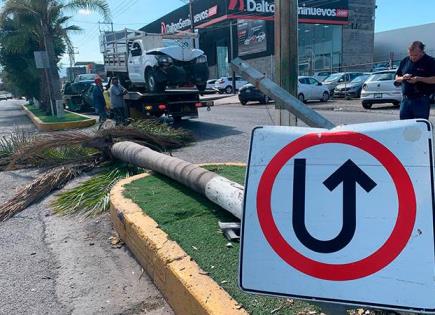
[[186, 288], [42, 126]]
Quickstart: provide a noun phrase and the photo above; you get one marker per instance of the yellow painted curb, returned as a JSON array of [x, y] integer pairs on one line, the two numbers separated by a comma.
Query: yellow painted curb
[[42, 126], [186, 288]]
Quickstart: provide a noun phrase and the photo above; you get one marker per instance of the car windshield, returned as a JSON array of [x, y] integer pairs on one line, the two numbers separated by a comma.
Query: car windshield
[[84, 77], [360, 79], [383, 76], [334, 77], [182, 42]]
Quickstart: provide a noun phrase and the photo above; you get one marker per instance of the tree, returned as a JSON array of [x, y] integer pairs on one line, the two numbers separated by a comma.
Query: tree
[[19, 74], [45, 20], [222, 191]]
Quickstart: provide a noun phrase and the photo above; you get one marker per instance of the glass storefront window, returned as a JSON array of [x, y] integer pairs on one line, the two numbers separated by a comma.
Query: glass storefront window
[[222, 61], [320, 48]]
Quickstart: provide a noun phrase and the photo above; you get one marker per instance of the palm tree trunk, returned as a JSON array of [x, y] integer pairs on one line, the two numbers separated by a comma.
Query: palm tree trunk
[[44, 97], [225, 193], [53, 75]]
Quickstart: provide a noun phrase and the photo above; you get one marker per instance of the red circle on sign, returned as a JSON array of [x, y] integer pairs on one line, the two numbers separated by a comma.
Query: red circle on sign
[[350, 271]]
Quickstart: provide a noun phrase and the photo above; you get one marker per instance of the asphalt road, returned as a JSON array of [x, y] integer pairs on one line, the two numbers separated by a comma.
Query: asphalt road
[[223, 133], [63, 265]]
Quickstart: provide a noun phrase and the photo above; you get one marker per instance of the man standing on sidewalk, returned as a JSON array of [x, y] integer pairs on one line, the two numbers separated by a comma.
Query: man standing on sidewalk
[[117, 92], [416, 74]]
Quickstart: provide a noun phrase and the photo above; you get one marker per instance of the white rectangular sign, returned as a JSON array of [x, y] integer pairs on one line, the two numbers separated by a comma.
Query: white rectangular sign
[[343, 215]]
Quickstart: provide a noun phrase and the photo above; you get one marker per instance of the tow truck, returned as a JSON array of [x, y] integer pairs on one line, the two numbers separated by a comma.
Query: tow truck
[[143, 99]]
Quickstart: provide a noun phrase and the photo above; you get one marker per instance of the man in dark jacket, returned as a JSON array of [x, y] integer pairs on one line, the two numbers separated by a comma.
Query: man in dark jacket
[[99, 101], [117, 92], [416, 74]]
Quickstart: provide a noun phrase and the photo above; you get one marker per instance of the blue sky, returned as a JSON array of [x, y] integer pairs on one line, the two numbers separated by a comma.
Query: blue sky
[[390, 14]]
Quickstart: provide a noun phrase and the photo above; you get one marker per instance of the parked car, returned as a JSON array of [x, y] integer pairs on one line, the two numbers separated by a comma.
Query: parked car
[[73, 95], [210, 85], [225, 84], [249, 93], [337, 78], [86, 77], [322, 75], [351, 89], [379, 88], [311, 89]]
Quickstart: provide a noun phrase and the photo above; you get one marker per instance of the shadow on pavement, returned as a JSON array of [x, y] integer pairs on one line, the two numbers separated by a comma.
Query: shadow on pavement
[[8, 121], [207, 131]]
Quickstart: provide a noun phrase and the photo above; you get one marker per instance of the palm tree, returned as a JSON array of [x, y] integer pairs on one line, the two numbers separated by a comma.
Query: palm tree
[[19, 73], [218, 189], [112, 144], [46, 20]]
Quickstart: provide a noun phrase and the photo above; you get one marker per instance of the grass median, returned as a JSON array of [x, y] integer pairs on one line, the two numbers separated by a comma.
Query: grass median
[[192, 221], [42, 115]]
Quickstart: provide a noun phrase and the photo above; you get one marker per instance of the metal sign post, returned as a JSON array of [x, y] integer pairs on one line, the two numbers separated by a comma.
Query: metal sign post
[[42, 62], [343, 216]]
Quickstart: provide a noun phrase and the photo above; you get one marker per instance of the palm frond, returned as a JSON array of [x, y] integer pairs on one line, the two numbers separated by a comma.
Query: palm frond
[[72, 28], [17, 138], [35, 191], [36, 150], [23, 7], [99, 6], [16, 42], [91, 198], [11, 143], [74, 146]]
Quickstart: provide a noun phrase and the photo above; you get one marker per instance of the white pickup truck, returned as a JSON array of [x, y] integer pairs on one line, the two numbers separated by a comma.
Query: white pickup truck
[[154, 61]]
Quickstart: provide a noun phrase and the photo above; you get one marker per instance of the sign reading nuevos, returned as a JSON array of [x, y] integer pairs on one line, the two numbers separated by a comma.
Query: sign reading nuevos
[[343, 215], [209, 12]]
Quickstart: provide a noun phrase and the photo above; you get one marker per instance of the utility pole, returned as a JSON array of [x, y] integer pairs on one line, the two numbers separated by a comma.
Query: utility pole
[[233, 74], [72, 61], [192, 22], [192, 26], [286, 53]]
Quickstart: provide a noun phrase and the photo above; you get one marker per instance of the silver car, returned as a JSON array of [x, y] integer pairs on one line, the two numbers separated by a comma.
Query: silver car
[[379, 88]]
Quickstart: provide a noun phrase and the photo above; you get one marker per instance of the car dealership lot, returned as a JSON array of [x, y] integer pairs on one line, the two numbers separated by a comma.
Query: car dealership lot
[[331, 105]]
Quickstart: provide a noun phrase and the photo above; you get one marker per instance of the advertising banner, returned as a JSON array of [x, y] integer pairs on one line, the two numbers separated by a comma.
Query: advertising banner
[[209, 12], [251, 35], [335, 12]]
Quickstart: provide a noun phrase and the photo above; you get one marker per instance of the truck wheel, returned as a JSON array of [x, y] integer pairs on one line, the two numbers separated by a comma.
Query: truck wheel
[[152, 85]]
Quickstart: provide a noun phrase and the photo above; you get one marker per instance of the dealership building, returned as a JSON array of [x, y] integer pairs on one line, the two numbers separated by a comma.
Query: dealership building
[[333, 35]]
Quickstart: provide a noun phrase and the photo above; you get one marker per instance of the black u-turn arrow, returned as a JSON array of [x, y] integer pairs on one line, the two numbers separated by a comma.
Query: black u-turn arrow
[[349, 174]]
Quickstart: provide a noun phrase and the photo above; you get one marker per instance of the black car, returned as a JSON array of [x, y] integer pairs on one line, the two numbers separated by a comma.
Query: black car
[[73, 95], [351, 89], [249, 93]]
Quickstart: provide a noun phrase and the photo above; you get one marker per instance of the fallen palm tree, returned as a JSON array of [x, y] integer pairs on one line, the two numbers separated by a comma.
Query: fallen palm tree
[[220, 190], [67, 155]]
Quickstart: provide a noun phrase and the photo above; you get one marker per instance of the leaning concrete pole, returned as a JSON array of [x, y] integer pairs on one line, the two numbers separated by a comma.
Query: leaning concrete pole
[[280, 95], [220, 190]]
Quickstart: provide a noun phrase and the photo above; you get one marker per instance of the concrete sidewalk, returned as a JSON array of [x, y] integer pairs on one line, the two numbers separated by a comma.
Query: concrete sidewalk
[[64, 265]]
